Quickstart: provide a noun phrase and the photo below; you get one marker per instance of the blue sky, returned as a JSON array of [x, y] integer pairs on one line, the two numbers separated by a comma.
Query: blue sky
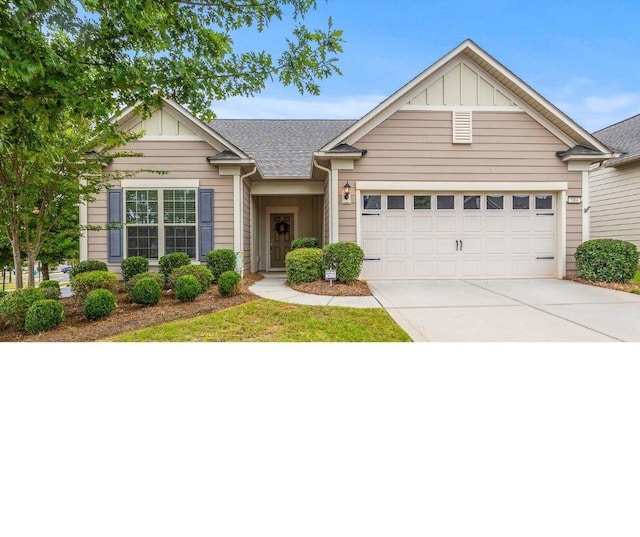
[[583, 56]]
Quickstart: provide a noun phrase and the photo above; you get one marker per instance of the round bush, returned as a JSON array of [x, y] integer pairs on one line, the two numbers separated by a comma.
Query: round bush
[[87, 266], [200, 272], [14, 306], [147, 292], [86, 282], [606, 260], [187, 288], [219, 261], [168, 263], [228, 283], [346, 258], [303, 265], [44, 315], [99, 303], [305, 242], [51, 289], [155, 276], [132, 266]]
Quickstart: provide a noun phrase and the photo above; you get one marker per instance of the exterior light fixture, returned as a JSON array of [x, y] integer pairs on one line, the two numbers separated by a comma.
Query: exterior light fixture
[[346, 193]]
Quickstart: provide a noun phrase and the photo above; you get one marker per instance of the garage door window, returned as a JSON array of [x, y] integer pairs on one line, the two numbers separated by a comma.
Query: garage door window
[[471, 203], [395, 202], [421, 203], [544, 201], [445, 202], [495, 203], [520, 202], [372, 203]]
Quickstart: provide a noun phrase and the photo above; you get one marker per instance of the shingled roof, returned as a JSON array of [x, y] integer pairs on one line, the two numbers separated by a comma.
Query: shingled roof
[[281, 147], [623, 137]]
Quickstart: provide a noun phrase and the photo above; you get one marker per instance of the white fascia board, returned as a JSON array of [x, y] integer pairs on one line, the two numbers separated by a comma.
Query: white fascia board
[[462, 186], [159, 183], [282, 188]]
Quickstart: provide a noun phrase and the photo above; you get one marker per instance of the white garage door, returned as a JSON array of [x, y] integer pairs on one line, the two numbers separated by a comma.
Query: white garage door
[[445, 235]]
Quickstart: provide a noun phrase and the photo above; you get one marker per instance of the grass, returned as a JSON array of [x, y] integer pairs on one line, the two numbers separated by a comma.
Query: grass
[[636, 278], [278, 322]]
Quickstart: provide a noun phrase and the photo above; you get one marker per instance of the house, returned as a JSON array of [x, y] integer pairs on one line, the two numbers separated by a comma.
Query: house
[[464, 172], [615, 184]]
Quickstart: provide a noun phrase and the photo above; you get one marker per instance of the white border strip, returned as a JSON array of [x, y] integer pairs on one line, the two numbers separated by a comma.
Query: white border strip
[[154, 183], [467, 186]]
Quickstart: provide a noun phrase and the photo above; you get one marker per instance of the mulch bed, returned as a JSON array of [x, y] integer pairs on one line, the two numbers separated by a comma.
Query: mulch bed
[[627, 287], [321, 287]]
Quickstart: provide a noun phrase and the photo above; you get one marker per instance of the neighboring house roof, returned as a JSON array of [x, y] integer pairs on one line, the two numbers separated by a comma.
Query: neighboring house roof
[[623, 137], [281, 147]]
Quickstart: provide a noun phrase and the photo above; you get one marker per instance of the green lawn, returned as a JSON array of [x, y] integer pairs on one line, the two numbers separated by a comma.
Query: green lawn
[[636, 278], [269, 321]]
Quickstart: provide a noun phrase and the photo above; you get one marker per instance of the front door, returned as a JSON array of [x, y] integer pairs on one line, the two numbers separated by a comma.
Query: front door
[[281, 237]]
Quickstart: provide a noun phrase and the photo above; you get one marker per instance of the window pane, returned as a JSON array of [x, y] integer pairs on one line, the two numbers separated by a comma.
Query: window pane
[[179, 206], [142, 241], [180, 239], [422, 202], [544, 201], [141, 206], [445, 202], [520, 202], [372, 202], [471, 202], [395, 202], [495, 202]]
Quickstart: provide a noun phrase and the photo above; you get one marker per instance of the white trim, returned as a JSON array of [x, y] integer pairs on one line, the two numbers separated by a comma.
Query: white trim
[[467, 186], [84, 220], [153, 183], [268, 211], [586, 226], [287, 188], [334, 232], [561, 245], [238, 213], [460, 108], [170, 138]]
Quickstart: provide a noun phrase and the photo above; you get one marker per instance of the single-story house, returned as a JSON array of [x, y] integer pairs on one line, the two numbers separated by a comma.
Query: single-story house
[[615, 184], [464, 172]]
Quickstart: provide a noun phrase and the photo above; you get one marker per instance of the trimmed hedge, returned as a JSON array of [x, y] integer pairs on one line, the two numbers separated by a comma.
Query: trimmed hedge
[[346, 258], [155, 276], [14, 306], [606, 260], [228, 283], [187, 288], [169, 262], [199, 272], [303, 265], [133, 265], [219, 261], [99, 303], [44, 315], [147, 292], [305, 242], [86, 282], [51, 289], [87, 266]]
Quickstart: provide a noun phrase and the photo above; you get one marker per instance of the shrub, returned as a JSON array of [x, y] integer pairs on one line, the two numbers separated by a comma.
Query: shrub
[[44, 315], [228, 282], [14, 307], [155, 276], [86, 282], [606, 260], [147, 292], [305, 242], [168, 263], [187, 288], [200, 272], [219, 261], [303, 265], [99, 303], [346, 258], [51, 289], [133, 265], [87, 266]]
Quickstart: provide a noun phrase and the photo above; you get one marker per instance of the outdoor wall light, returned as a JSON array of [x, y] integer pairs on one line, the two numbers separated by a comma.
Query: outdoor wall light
[[346, 193]]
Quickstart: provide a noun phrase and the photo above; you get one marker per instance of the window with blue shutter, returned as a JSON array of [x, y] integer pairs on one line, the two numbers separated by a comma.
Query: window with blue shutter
[[205, 221], [114, 221]]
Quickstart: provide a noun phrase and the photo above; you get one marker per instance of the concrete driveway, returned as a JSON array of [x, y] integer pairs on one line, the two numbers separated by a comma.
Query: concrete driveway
[[509, 310]]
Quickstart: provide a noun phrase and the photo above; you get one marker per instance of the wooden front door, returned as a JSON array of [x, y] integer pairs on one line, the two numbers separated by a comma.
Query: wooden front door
[[281, 237]]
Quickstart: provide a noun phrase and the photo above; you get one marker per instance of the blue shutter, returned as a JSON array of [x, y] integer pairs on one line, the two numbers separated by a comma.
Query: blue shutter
[[114, 217], [205, 221]]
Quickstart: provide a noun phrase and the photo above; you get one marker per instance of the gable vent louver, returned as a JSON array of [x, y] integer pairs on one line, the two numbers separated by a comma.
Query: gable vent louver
[[462, 128]]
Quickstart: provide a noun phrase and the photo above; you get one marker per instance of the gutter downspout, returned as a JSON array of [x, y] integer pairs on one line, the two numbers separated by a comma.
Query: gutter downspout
[[240, 221], [327, 239]]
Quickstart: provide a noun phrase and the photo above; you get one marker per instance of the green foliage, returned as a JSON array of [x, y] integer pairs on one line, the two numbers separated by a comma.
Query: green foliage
[[187, 288], [99, 303], [44, 315], [14, 307], [200, 272], [303, 265], [87, 266], [606, 260], [155, 276], [219, 261], [305, 242], [86, 282], [172, 261], [228, 283], [346, 258], [132, 266], [147, 292], [51, 289]]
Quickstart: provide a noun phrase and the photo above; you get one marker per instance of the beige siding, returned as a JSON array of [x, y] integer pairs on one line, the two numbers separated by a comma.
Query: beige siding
[[615, 203], [507, 146]]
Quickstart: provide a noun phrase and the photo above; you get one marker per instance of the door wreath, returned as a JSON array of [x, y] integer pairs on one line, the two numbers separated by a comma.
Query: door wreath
[[282, 228]]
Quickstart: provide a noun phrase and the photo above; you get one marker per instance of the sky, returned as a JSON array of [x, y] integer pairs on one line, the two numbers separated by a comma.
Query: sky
[[582, 56]]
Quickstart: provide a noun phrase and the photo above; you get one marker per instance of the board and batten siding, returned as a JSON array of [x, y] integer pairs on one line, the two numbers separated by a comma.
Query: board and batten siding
[[615, 203], [416, 145], [182, 160]]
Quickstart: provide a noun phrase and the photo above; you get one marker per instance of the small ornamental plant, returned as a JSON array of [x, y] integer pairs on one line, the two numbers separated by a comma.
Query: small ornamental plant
[[155, 276], [87, 266], [44, 315], [86, 282], [169, 262], [346, 258], [14, 307], [147, 292], [199, 272], [187, 288], [228, 283], [606, 260], [303, 265], [219, 261], [132, 266], [305, 242], [99, 303], [51, 289]]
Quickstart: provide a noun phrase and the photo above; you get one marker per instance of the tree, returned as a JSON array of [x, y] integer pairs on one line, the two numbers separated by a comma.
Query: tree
[[69, 66]]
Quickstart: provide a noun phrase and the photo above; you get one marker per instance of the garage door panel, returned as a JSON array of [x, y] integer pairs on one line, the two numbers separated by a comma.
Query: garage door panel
[[472, 224], [396, 246], [543, 224], [495, 224], [472, 268], [472, 245], [396, 224], [372, 247], [422, 223], [423, 269], [446, 268], [422, 246], [372, 269], [496, 245], [495, 268], [446, 246], [543, 246], [446, 222], [521, 245], [371, 224], [543, 267], [396, 268]]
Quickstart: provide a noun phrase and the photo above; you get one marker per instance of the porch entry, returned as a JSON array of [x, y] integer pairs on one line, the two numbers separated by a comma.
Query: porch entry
[[281, 235]]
